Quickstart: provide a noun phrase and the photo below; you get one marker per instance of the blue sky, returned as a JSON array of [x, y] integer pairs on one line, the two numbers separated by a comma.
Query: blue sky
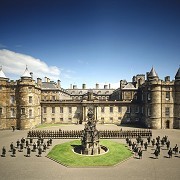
[[81, 41]]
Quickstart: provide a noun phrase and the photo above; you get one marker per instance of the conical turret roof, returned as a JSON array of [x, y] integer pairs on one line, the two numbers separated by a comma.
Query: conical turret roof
[[2, 75], [26, 73], [152, 73], [178, 74]]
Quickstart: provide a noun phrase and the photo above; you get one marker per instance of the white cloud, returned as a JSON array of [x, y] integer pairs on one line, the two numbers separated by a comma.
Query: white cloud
[[14, 64]]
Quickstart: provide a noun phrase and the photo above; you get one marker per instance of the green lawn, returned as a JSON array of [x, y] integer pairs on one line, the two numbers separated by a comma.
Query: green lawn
[[63, 154]]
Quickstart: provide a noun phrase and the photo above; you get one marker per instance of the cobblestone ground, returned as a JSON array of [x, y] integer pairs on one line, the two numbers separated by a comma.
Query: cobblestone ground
[[147, 168]]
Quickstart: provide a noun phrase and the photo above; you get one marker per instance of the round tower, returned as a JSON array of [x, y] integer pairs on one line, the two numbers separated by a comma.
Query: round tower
[[177, 100], [154, 100], [25, 90]]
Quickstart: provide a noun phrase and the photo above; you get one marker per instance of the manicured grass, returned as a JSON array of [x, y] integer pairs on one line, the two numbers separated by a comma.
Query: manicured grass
[[63, 154], [50, 125]]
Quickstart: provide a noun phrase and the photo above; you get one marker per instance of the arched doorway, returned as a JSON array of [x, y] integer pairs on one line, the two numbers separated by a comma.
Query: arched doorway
[[167, 124]]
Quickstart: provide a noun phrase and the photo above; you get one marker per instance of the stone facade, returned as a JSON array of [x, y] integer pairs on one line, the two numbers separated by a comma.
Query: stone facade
[[149, 101]]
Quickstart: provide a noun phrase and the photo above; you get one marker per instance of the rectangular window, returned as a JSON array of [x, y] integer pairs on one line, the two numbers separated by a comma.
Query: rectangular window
[[70, 119], [119, 109], [167, 95], [30, 112], [53, 109], [167, 111], [70, 109], [111, 109], [12, 112], [119, 118], [128, 109], [61, 109], [22, 110], [102, 109], [53, 119], [44, 119], [149, 96], [1, 111], [45, 109], [137, 119], [111, 118], [142, 97], [30, 99], [61, 119], [12, 99], [137, 109], [148, 111], [142, 110]]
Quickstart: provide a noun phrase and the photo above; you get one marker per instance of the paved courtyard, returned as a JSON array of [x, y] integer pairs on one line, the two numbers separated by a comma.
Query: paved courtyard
[[147, 168]]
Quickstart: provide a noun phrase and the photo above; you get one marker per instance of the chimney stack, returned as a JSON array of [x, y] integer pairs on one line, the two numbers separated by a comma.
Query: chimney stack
[[105, 86], [70, 86], [59, 83], [109, 86], [83, 86], [39, 81], [167, 78], [74, 86], [97, 86], [31, 73], [48, 80]]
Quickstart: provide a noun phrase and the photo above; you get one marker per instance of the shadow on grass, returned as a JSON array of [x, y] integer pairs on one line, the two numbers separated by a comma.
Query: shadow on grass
[[77, 148]]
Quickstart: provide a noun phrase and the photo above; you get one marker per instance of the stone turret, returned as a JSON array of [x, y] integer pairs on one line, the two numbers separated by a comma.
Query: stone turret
[[28, 102], [177, 100], [2, 75], [154, 100]]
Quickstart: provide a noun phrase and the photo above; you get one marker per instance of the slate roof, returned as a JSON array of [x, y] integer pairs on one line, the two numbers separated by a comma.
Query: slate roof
[[129, 86], [152, 73], [49, 85], [26, 73], [178, 74], [95, 91]]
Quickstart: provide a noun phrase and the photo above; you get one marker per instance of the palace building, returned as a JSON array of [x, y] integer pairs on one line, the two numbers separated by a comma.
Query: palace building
[[147, 100]]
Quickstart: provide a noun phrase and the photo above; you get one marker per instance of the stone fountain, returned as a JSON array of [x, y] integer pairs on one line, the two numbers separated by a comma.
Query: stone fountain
[[90, 136]]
